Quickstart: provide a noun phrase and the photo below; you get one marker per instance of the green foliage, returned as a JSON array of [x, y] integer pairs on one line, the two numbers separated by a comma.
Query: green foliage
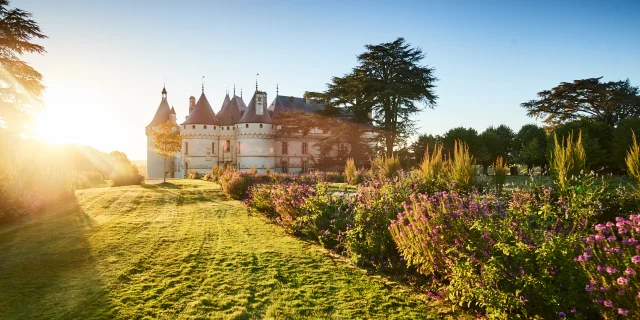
[[568, 160], [586, 99], [83, 179], [596, 141], [467, 135], [530, 146], [21, 84]]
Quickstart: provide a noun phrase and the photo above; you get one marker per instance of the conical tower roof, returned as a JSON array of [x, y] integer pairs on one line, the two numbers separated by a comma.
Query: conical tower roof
[[231, 114], [225, 103], [202, 113], [162, 113], [173, 111], [250, 115]]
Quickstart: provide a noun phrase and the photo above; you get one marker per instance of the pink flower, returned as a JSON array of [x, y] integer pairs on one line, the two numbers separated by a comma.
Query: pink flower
[[629, 271], [623, 311], [589, 287], [611, 270], [635, 259], [622, 281], [608, 303], [562, 314]]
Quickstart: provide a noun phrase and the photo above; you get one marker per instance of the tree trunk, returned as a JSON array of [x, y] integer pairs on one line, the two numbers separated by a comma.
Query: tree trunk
[[389, 143], [164, 171], [485, 170]]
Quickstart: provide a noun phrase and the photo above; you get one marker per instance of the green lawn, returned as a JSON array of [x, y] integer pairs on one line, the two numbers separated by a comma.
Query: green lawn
[[182, 251]]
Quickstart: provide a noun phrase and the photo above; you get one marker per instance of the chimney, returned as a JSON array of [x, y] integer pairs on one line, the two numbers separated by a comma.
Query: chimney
[[192, 103]]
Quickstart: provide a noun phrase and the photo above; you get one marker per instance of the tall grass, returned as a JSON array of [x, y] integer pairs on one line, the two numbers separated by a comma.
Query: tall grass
[[350, 171], [386, 167], [461, 168], [568, 160], [633, 159], [499, 173], [433, 168]]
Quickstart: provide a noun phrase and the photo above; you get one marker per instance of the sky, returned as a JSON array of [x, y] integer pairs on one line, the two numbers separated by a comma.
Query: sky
[[107, 61]]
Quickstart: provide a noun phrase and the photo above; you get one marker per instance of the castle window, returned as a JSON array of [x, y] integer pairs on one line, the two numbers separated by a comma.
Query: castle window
[[222, 128], [246, 125], [184, 126], [304, 166], [285, 147], [227, 146], [213, 147], [238, 150], [285, 166], [186, 148], [261, 125], [193, 126], [227, 127], [205, 126], [214, 127], [304, 148]]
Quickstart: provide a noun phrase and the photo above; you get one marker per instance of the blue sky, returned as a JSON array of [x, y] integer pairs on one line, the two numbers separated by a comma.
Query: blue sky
[[106, 60]]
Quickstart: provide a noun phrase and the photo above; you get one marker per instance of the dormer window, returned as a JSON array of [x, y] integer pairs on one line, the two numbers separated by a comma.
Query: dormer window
[[246, 125], [205, 126], [193, 126], [261, 125]]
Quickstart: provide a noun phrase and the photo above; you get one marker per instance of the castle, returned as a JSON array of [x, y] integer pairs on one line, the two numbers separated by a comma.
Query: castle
[[239, 135]]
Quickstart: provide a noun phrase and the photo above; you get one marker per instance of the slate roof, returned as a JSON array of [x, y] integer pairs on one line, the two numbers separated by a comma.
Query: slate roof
[[202, 113], [230, 114], [225, 103], [250, 116], [173, 111], [162, 114], [292, 104], [241, 105]]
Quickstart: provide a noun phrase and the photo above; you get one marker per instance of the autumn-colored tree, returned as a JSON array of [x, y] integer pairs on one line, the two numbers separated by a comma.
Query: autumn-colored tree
[[166, 142]]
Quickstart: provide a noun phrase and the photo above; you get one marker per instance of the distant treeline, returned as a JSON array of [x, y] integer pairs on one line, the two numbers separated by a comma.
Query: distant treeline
[[605, 145]]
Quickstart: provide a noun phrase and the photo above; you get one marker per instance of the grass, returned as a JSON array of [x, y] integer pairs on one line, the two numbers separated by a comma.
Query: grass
[[181, 250]]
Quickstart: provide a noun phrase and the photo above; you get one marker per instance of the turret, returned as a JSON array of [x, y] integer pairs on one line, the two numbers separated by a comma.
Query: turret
[[192, 103]]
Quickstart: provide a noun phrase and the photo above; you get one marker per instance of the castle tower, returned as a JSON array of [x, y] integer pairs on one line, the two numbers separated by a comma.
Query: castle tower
[[200, 137], [154, 161], [255, 136]]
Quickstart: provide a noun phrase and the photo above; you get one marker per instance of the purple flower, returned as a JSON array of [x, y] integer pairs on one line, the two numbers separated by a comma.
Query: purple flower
[[608, 303], [589, 288], [623, 311], [635, 259], [604, 288], [600, 268], [562, 314], [611, 270], [622, 281], [599, 227], [611, 238], [629, 271]]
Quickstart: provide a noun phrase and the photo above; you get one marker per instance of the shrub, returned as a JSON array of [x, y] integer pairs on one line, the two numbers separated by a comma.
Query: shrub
[[288, 201], [208, 177], [386, 167], [461, 170], [83, 179], [633, 160], [329, 214], [568, 160], [611, 259], [236, 184], [216, 172], [511, 259], [124, 172], [259, 200], [254, 171], [375, 204], [267, 171], [499, 173], [350, 171], [193, 174]]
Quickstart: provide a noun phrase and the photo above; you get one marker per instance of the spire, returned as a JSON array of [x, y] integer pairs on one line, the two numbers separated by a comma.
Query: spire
[[202, 84], [240, 92], [277, 89], [257, 74], [234, 89], [164, 93]]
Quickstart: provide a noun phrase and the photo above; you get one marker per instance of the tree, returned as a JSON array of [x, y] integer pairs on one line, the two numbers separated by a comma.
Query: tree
[[586, 99], [530, 146], [419, 147], [468, 136], [167, 141], [20, 85], [623, 140], [395, 84], [491, 148], [596, 141]]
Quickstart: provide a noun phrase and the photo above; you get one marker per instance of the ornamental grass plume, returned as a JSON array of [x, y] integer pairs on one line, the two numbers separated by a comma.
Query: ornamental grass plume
[[350, 171], [433, 167], [499, 173], [633, 159], [568, 160], [386, 167], [461, 169]]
